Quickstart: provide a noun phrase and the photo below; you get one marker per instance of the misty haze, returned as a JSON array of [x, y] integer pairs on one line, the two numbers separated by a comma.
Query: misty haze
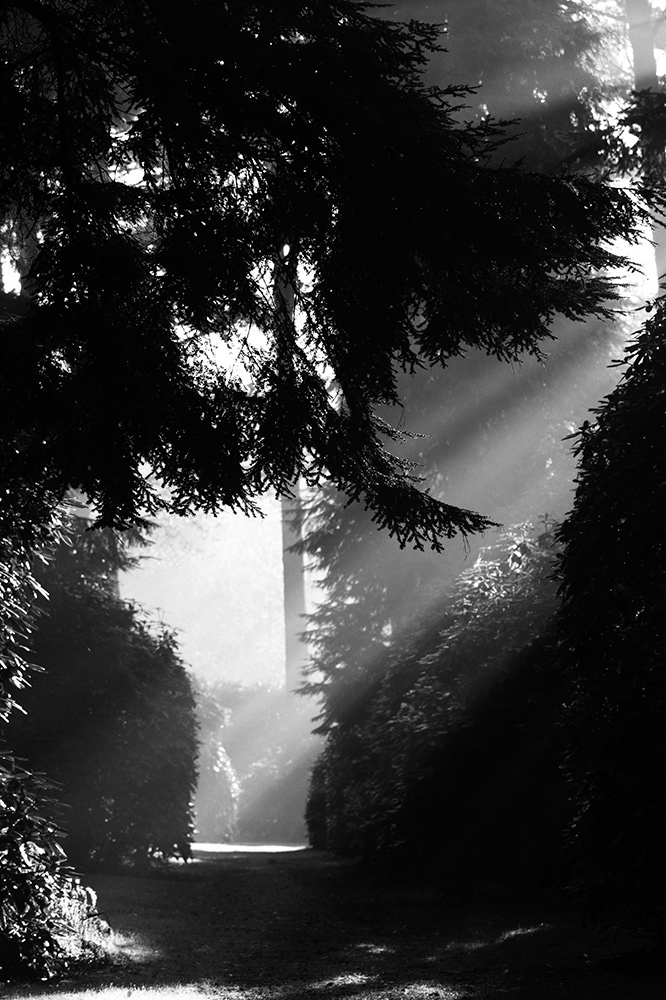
[[331, 509]]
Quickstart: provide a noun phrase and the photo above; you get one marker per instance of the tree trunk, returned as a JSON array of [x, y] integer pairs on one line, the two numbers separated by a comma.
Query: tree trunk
[[294, 591], [642, 22]]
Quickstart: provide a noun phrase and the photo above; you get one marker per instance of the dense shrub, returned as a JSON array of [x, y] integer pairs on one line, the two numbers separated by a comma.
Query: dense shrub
[[450, 756], [46, 916], [112, 718], [112, 721], [613, 632]]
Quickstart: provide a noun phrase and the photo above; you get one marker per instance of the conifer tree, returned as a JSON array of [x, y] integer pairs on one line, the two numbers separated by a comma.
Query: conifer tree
[[532, 62], [612, 636], [160, 164]]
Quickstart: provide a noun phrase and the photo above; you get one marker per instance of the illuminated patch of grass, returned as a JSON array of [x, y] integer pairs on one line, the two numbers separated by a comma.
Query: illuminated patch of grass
[[187, 991]]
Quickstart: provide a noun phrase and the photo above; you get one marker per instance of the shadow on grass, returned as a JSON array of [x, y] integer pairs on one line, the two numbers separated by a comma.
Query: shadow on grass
[[287, 926]]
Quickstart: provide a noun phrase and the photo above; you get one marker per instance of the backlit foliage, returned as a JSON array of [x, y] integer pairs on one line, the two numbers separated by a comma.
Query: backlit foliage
[[614, 644], [171, 175], [45, 915], [447, 756], [112, 717]]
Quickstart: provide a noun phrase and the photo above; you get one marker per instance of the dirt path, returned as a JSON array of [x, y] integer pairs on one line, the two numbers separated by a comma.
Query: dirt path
[[285, 926]]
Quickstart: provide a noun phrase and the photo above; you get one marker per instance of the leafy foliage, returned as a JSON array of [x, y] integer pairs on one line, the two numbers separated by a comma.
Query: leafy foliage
[[46, 917], [19, 590], [169, 174], [447, 755], [112, 718], [542, 75], [614, 642], [534, 61]]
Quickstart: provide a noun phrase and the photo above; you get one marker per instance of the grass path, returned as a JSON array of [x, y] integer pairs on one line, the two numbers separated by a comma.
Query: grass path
[[300, 925]]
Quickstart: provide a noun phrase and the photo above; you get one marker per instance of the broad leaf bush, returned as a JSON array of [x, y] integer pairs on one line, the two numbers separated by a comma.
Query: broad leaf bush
[[450, 756], [19, 590], [46, 916], [613, 640], [111, 719]]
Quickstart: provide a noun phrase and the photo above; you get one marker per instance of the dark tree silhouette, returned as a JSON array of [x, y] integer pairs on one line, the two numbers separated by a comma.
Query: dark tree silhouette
[[442, 753], [162, 166], [533, 61], [112, 718], [614, 642], [611, 626]]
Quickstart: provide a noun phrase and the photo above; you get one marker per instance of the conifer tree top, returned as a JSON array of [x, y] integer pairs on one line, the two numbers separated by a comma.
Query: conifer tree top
[[235, 221]]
